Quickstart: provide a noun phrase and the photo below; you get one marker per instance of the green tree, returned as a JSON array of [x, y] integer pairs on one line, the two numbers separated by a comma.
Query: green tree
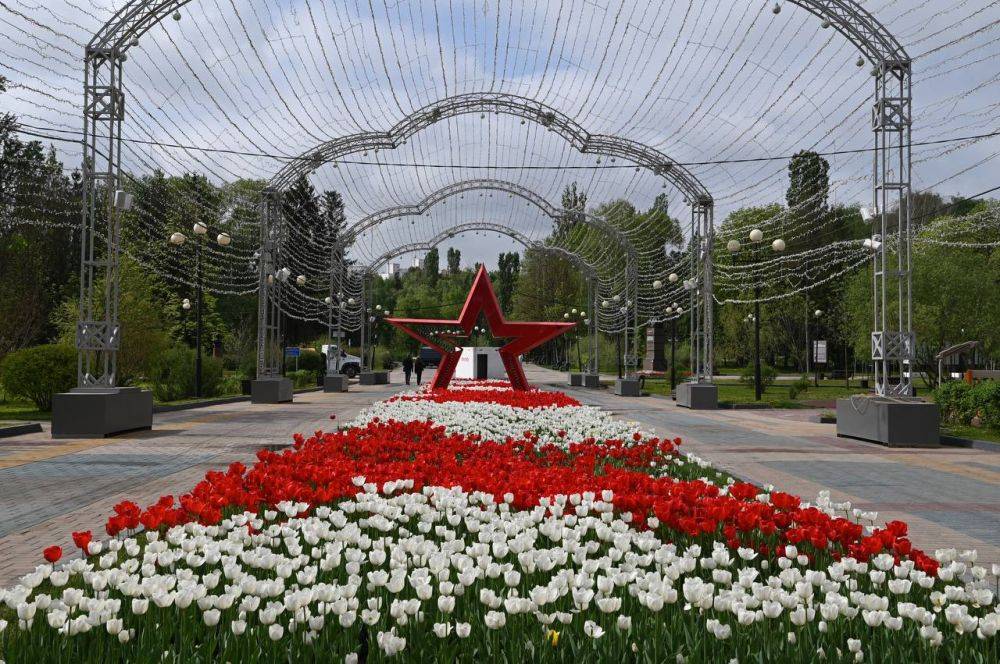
[[505, 278], [39, 209], [808, 186], [142, 315], [432, 266], [454, 260]]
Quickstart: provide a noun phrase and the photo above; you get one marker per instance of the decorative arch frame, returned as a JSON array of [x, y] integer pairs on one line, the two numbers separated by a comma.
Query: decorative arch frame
[[273, 234], [98, 337]]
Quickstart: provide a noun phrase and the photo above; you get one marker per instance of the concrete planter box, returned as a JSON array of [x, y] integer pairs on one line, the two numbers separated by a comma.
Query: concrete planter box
[[697, 396], [592, 381], [895, 422], [335, 383], [271, 390], [374, 378], [101, 412], [576, 379], [627, 387]]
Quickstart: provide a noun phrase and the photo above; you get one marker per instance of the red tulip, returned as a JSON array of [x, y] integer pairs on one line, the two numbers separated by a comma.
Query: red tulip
[[52, 554], [82, 539]]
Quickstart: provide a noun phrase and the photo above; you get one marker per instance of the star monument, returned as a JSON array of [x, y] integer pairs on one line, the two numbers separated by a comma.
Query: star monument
[[482, 300]]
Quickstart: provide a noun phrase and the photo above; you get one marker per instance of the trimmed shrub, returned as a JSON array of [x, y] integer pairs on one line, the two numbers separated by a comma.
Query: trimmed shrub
[[798, 387], [768, 375], [309, 360], [38, 372], [961, 402], [302, 378], [173, 374]]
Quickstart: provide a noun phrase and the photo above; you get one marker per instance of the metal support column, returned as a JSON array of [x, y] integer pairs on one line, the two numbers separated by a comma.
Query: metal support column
[[97, 333], [893, 341]]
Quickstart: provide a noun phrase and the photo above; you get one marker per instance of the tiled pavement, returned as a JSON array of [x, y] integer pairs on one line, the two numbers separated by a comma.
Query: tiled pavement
[[48, 488], [949, 496]]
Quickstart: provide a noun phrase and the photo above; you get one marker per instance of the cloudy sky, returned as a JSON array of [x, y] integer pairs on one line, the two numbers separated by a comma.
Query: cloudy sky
[[242, 87]]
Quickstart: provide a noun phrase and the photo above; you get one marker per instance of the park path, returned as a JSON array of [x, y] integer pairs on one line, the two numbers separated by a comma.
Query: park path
[[949, 496], [50, 488]]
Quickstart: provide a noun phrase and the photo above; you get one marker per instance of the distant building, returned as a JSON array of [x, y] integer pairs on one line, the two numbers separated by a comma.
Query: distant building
[[392, 269], [418, 263]]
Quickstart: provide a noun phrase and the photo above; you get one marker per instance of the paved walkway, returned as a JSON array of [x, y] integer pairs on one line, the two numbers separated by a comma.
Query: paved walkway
[[49, 488], [949, 496]]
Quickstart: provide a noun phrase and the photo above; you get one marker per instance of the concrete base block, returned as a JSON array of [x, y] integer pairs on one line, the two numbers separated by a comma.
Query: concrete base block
[[592, 380], [101, 412], [698, 396], [627, 387], [335, 383], [898, 422], [271, 390], [374, 378], [576, 379]]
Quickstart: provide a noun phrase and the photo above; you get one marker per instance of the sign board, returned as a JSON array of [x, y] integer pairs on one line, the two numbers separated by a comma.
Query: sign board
[[293, 352], [819, 351]]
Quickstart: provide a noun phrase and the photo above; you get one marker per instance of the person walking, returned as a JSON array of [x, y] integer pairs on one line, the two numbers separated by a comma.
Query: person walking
[[418, 368], [407, 368]]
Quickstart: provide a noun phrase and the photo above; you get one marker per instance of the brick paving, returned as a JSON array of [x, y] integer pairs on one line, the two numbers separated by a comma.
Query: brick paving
[[949, 496]]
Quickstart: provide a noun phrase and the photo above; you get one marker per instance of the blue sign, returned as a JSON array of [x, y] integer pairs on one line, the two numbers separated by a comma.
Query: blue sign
[[293, 352]]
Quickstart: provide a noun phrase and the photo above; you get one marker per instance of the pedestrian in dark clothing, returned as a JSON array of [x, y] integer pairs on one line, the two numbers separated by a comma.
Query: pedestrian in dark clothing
[[418, 368], [407, 368]]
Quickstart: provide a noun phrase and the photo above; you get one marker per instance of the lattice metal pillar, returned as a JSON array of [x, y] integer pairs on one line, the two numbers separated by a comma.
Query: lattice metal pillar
[[364, 322], [704, 212], [593, 362], [269, 323], [97, 333], [893, 340]]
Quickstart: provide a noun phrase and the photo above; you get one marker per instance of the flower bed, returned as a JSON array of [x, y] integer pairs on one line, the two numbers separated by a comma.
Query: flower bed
[[505, 529]]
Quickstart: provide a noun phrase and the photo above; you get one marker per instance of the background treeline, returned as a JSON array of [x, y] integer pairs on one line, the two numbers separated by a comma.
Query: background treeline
[[955, 288]]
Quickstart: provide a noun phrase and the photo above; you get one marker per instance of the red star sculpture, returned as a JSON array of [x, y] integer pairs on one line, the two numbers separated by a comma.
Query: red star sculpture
[[481, 300]]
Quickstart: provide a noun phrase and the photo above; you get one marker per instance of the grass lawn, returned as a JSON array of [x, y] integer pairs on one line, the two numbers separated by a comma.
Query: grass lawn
[[22, 410], [963, 431], [776, 396]]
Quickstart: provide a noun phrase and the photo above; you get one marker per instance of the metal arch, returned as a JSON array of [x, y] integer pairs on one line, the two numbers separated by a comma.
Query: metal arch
[[859, 26], [272, 232], [464, 186], [848, 16], [496, 102], [524, 240]]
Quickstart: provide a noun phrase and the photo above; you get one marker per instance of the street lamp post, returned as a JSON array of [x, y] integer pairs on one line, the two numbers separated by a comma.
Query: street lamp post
[[757, 391], [676, 312], [756, 236], [200, 231]]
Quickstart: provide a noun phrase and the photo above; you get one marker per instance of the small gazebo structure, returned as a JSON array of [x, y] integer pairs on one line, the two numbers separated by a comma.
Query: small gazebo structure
[[958, 350]]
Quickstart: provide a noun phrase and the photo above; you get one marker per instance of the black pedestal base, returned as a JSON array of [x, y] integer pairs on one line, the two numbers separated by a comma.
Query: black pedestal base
[[374, 378], [576, 379], [627, 387], [592, 380], [335, 383], [898, 422], [101, 412], [698, 396], [271, 390]]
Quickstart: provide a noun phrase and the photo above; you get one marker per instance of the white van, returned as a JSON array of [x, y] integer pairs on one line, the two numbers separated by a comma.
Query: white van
[[340, 361]]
